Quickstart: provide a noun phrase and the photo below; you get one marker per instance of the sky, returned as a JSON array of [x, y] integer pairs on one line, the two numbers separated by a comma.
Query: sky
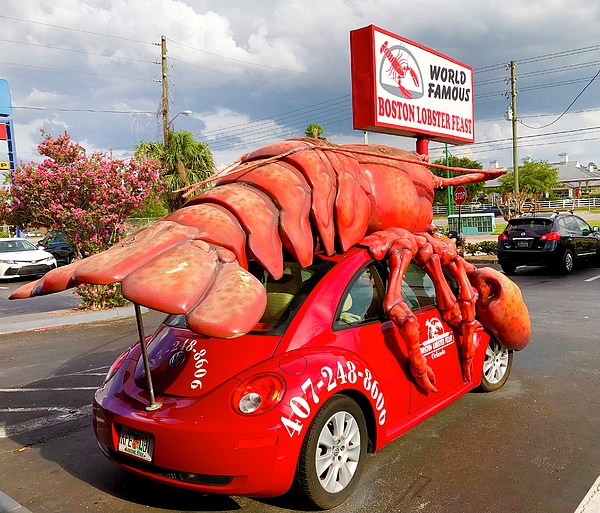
[[254, 72]]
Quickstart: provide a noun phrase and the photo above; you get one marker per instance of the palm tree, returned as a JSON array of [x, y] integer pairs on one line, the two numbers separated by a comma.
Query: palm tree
[[185, 161]]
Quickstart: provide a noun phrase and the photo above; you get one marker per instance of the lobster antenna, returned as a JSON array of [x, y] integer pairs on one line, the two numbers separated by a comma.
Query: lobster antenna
[[481, 175]]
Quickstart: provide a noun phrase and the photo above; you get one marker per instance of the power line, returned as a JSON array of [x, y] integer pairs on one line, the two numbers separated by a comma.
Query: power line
[[75, 51], [248, 78], [74, 71], [246, 62], [74, 29]]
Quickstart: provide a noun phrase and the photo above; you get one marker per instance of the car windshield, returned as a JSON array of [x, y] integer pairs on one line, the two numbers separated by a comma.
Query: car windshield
[[284, 296], [11, 246], [532, 226]]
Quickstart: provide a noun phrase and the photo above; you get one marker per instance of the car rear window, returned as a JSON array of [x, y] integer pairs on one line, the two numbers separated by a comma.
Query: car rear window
[[533, 227]]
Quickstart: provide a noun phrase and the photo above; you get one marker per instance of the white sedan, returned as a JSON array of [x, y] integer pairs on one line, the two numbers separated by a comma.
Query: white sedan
[[19, 257]]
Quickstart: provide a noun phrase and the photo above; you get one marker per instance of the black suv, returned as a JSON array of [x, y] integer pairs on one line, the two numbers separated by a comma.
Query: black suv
[[557, 240]]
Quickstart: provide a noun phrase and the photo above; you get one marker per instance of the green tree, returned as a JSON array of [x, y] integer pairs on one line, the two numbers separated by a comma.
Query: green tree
[[535, 177], [314, 131], [473, 189], [185, 162]]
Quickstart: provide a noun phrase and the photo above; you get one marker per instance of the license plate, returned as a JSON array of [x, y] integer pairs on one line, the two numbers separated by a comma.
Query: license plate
[[523, 244], [136, 443]]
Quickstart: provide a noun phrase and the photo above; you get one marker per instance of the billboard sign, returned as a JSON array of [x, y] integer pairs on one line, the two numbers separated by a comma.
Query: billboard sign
[[5, 103], [402, 88]]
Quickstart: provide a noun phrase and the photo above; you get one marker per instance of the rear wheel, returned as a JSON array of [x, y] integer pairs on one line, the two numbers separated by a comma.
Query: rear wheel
[[565, 266], [508, 266], [496, 366], [333, 453]]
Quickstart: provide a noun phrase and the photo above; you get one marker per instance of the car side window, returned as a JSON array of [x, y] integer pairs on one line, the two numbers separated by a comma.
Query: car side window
[[418, 288], [583, 226], [562, 226], [572, 224], [362, 302]]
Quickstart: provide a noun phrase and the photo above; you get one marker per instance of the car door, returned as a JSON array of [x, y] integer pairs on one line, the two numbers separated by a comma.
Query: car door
[[589, 242], [360, 326], [438, 340]]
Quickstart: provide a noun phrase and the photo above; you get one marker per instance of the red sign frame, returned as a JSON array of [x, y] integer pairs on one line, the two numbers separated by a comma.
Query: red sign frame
[[435, 102]]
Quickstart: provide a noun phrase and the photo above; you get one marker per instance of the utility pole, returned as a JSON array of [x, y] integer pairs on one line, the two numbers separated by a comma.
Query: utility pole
[[513, 95], [165, 89]]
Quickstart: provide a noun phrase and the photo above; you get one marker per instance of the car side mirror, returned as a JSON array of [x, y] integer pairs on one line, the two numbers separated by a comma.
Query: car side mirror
[[595, 228]]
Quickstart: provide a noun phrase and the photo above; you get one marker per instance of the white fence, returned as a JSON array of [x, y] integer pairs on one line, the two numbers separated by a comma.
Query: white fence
[[562, 204]]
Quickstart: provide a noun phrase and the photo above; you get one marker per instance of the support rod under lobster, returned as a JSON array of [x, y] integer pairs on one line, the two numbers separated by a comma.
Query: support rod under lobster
[[140, 325]]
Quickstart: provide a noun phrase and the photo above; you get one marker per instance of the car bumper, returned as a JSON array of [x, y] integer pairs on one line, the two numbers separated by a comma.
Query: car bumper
[[22, 270], [200, 443], [550, 254]]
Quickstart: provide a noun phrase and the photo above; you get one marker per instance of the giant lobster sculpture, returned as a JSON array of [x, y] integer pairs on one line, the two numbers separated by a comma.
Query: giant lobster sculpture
[[301, 196]]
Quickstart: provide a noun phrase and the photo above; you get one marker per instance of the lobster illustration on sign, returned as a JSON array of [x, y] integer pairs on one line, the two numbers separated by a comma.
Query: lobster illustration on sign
[[398, 69], [299, 197]]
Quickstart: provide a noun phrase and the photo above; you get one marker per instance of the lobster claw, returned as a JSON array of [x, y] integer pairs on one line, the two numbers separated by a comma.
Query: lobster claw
[[501, 309]]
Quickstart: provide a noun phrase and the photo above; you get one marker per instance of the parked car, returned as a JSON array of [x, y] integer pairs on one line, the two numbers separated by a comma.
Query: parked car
[[497, 210], [555, 240], [19, 257], [322, 379], [55, 243]]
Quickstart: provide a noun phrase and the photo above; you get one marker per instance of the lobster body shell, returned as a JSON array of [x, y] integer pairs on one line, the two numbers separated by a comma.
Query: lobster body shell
[[295, 198]]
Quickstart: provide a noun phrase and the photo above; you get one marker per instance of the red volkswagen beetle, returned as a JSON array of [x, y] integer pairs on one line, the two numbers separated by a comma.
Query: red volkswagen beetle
[[299, 401]]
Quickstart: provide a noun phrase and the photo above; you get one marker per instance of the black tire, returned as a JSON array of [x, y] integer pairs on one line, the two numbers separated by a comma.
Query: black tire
[[567, 262], [71, 259], [508, 266], [496, 366], [346, 452]]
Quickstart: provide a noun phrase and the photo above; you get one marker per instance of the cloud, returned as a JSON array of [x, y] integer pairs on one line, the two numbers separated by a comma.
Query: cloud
[[263, 70]]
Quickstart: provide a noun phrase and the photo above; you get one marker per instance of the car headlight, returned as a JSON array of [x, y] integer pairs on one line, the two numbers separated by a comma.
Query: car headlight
[[258, 394]]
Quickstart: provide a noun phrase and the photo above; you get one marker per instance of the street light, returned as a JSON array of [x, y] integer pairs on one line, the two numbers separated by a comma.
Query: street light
[[185, 112], [167, 128]]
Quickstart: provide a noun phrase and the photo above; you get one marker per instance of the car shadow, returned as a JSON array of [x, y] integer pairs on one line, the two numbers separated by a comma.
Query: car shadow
[[71, 445]]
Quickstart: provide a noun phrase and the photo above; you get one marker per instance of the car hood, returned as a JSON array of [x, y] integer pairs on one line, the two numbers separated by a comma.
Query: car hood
[[26, 256], [185, 364]]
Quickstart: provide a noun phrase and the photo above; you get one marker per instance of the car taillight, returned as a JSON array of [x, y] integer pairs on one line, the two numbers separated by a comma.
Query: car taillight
[[503, 236], [550, 236], [258, 394], [116, 365]]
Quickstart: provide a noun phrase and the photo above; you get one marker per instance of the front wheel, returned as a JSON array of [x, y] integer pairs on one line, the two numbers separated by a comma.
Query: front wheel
[[333, 453], [496, 366]]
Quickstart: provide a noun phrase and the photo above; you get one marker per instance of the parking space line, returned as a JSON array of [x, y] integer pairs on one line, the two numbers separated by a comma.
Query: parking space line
[[591, 501], [37, 408], [42, 422], [58, 389], [593, 278]]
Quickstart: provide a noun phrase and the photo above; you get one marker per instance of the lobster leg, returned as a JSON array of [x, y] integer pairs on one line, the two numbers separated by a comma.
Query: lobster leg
[[401, 246], [434, 257]]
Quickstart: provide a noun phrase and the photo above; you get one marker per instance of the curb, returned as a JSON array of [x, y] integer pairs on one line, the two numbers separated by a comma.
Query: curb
[[482, 259], [28, 322], [10, 505]]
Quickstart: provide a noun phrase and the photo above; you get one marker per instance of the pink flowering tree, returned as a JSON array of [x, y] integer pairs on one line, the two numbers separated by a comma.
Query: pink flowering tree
[[87, 198]]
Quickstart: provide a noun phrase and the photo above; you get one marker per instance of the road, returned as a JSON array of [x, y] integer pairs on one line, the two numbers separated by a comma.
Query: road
[[61, 301], [533, 446]]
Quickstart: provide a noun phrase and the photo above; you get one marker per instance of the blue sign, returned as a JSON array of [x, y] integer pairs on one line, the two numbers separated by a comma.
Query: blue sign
[[5, 103]]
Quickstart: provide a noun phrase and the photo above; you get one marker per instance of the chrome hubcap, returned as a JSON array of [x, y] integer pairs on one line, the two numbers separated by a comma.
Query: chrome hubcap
[[338, 452], [496, 362]]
